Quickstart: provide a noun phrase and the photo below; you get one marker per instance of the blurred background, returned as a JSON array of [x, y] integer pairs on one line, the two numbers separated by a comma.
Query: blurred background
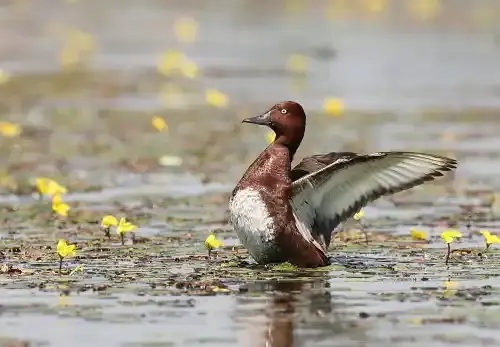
[[84, 79], [136, 108]]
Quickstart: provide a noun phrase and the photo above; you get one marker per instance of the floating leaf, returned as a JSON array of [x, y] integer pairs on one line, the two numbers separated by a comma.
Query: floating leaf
[[186, 29], [284, 267]]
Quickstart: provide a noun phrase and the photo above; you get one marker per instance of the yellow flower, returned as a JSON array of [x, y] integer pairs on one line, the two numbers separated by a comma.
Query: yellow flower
[[375, 6], [297, 63], [189, 68], [4, 76], [124, 226], [186, 29], [450, 288], [60, 207], [211, 242], [449, 236], [109, 221], [172, 96], [418, 234], [64, 250], [425, 9], [359, 215], [216, 98], [46, 186], [159, 123], [489, 238], [56, 199], [333, 107], [170, 160], [81, 41], [170, 62], [9, 129], [270, 136]]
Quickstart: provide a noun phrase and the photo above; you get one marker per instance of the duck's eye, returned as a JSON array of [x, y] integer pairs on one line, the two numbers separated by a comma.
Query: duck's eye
[[283, 111]]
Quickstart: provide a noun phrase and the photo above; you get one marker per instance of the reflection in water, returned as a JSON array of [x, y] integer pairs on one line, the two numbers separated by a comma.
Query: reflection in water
[[296, 312]]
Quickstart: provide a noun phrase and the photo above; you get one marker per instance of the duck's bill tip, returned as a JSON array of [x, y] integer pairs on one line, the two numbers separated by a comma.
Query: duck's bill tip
[[263, 119]]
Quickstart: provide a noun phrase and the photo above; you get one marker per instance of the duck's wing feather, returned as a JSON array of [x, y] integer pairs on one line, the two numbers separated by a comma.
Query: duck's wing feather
[[321, 200], [316, 162]]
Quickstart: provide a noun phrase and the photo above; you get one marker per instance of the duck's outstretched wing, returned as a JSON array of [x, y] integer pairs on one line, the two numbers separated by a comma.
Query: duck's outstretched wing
[[321, 200]]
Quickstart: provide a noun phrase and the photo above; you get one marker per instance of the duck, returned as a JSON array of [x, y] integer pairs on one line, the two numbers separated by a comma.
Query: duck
[[284, 214]]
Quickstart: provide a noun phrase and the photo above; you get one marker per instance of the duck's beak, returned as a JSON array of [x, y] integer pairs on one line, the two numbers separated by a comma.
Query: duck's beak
[[263, 119]]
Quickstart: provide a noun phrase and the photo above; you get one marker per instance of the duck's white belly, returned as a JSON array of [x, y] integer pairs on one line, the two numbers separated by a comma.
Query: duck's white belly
[[253, 224]]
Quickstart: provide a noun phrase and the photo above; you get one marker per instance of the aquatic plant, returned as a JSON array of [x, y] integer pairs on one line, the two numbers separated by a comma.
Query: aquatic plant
[[8, 129], [449, 236], [418, 234], [107, 222], [357, 217], [284, 267], [59, 207], [334, 107], [64, 250], [216, 98], [159, 123], [124, 227], [489, 238], [186, 29], [212, 243], [297, 63], [270, 136], [76, 269], [49, 187]]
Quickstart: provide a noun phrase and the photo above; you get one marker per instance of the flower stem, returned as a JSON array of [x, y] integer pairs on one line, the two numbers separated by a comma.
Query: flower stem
[[448, 255], [60, 264], [488, 245], [122, 235], [364, 232], [107, 233]]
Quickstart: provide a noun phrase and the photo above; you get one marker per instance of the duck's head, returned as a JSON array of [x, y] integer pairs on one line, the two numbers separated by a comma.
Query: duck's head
[[287, 119]]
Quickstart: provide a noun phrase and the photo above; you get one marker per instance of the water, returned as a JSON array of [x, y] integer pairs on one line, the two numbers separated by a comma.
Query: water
[[407, 84]]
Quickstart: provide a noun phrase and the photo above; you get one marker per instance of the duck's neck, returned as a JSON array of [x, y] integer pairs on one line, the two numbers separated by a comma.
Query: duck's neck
[[292, 143]]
